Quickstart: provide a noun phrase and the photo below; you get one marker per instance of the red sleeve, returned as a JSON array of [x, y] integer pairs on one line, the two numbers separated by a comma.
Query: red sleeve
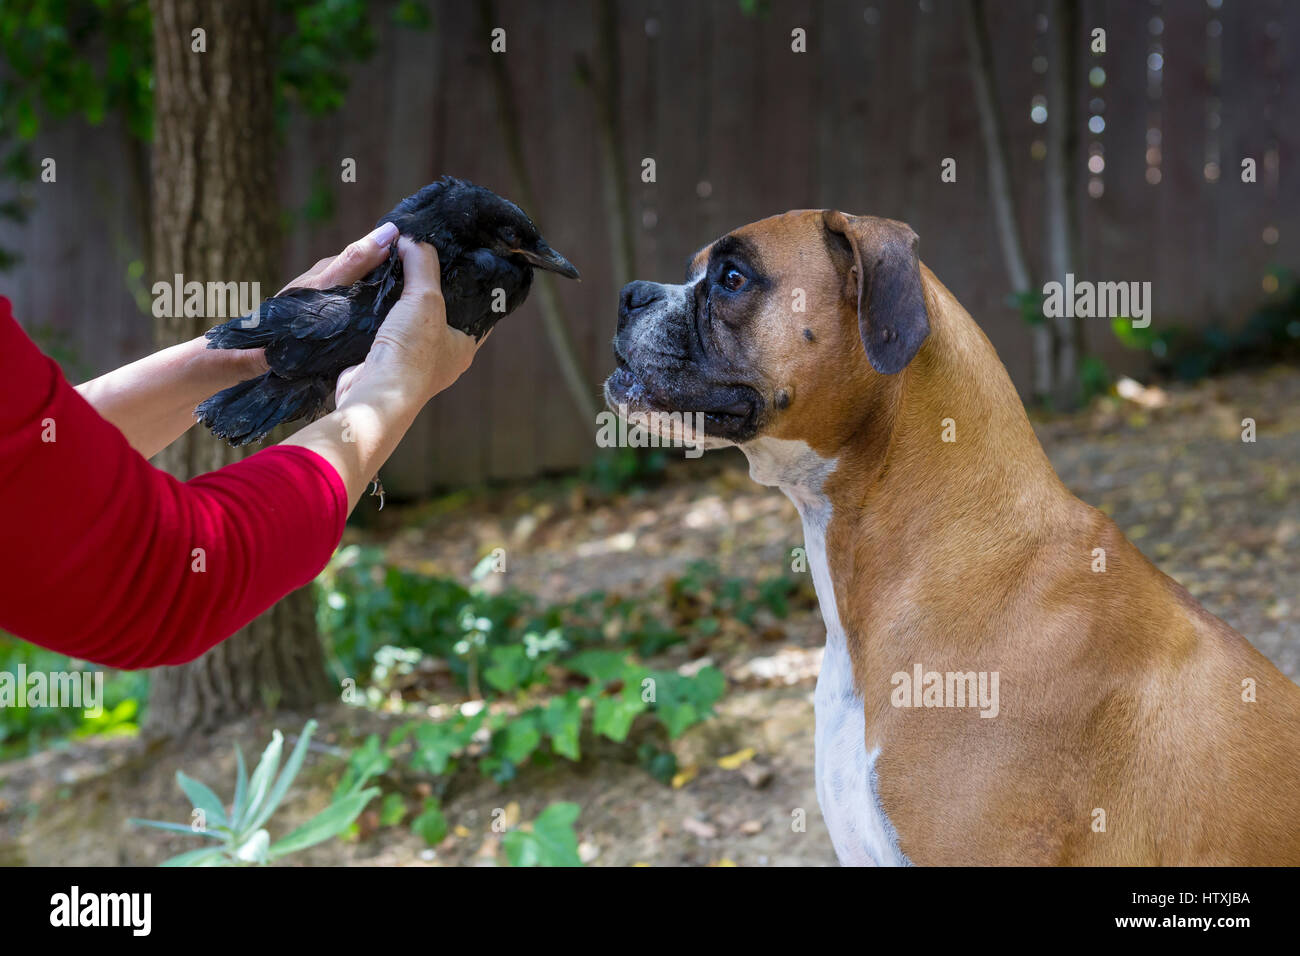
[[106, 558]]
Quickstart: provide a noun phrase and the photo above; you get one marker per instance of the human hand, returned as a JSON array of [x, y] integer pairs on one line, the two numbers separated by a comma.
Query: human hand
[[415, 352], [351, 264], [237, 365]]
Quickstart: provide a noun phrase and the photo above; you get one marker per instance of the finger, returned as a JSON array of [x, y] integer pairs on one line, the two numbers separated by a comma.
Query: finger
[[255, 362], [420, 268], [358, 258]]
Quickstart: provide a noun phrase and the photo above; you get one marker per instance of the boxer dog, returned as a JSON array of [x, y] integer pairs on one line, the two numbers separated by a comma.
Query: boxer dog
[[1006, 680]]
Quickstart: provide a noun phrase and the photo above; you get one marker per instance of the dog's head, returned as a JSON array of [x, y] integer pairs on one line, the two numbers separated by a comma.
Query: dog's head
[[783, 328]]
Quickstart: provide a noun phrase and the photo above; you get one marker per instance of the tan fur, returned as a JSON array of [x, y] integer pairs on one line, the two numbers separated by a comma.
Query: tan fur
[[1118, 691]]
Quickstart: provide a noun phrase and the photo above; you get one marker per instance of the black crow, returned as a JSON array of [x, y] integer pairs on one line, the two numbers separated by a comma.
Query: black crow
[[487, 248]]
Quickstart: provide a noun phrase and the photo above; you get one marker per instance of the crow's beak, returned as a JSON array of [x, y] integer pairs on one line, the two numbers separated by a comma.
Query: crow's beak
[[544, 257]]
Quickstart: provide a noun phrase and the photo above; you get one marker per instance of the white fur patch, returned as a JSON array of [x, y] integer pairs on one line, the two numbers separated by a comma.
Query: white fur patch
[[846, 774]]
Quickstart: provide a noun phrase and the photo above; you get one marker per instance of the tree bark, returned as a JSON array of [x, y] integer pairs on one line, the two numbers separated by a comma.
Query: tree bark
[[215, 218], [1061, 218]]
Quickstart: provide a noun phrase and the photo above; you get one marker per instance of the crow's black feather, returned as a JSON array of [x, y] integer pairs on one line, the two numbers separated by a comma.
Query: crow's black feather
[[487, 249]]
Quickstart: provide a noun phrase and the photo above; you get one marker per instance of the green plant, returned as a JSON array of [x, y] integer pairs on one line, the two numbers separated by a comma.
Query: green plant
[[538, 677], [240, 837], [550, 841], [620, 470], [1094, 377], [25, 730], [92, 59], [1029, 304], [1269, 333]]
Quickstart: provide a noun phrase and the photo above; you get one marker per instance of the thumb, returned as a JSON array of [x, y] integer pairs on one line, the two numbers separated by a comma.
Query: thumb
[[358, 258], [420, 268]]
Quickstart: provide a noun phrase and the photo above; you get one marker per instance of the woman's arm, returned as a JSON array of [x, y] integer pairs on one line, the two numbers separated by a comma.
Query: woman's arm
[[152, 401], [106, 558]]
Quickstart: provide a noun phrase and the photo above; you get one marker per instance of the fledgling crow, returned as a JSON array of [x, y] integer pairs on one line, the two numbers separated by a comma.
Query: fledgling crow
[[487, 248]]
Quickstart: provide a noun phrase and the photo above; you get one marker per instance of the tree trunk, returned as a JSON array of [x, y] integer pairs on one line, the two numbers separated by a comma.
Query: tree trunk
[[215, 213], [980, 49], [1061, 219]]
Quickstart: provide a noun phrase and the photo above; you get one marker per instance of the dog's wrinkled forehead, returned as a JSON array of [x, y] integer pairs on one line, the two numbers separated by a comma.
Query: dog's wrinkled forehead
[[787, 238], [731, 246]]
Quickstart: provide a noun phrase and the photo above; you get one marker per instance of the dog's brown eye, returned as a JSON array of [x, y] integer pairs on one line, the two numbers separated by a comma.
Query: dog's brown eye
[[733, 280]]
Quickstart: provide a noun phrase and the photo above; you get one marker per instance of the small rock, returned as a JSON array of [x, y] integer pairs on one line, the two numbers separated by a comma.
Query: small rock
[[751, 827], [700, 828], [757, 774]]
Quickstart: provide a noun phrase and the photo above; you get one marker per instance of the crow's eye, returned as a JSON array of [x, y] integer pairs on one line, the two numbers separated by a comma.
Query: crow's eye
[[732, 279], [510, 237]]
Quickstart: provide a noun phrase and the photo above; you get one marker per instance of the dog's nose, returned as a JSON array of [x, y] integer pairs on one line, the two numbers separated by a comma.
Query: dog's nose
[[635, 297]]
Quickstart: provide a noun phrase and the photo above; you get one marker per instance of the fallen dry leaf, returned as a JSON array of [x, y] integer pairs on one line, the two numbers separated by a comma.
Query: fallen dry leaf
[[736, 760]]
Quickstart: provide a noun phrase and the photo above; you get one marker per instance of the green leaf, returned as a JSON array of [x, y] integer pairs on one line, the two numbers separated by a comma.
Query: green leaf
[[263, 774], [681, 702], [392, 809], [436, 743], [202, 798], [552, 841], [599, 666], [613, 716], [330, 822], [562, 720], [28, 123], [431, 824], [286, 778], [519, 739], [1141, 339], [366, 762], [510, 668], [179, 828], [660, 764], [238, 808]]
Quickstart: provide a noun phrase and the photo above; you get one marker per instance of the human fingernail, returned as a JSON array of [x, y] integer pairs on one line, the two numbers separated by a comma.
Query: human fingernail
[[383, 235]]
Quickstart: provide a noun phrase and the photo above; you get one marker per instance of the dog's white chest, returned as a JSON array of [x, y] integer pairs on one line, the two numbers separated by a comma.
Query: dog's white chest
[[845, 772]]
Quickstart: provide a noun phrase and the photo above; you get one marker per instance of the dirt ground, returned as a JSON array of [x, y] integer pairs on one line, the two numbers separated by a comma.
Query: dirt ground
[[1219, 515]]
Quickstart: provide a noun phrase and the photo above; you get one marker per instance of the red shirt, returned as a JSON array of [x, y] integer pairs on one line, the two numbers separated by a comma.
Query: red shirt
[[106, 558]]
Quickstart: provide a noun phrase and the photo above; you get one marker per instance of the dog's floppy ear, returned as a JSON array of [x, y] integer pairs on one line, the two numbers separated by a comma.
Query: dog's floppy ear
[[891, 305]]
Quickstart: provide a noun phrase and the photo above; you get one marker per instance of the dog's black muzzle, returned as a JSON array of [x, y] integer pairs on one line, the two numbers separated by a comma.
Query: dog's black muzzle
[[663, 364]]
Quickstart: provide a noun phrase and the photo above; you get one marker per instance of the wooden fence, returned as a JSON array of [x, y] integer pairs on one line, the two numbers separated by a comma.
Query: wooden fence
[[740, 127]]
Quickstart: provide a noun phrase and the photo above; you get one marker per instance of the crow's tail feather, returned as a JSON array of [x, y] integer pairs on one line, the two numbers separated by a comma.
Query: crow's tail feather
[[245, 412], [258, 329]]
